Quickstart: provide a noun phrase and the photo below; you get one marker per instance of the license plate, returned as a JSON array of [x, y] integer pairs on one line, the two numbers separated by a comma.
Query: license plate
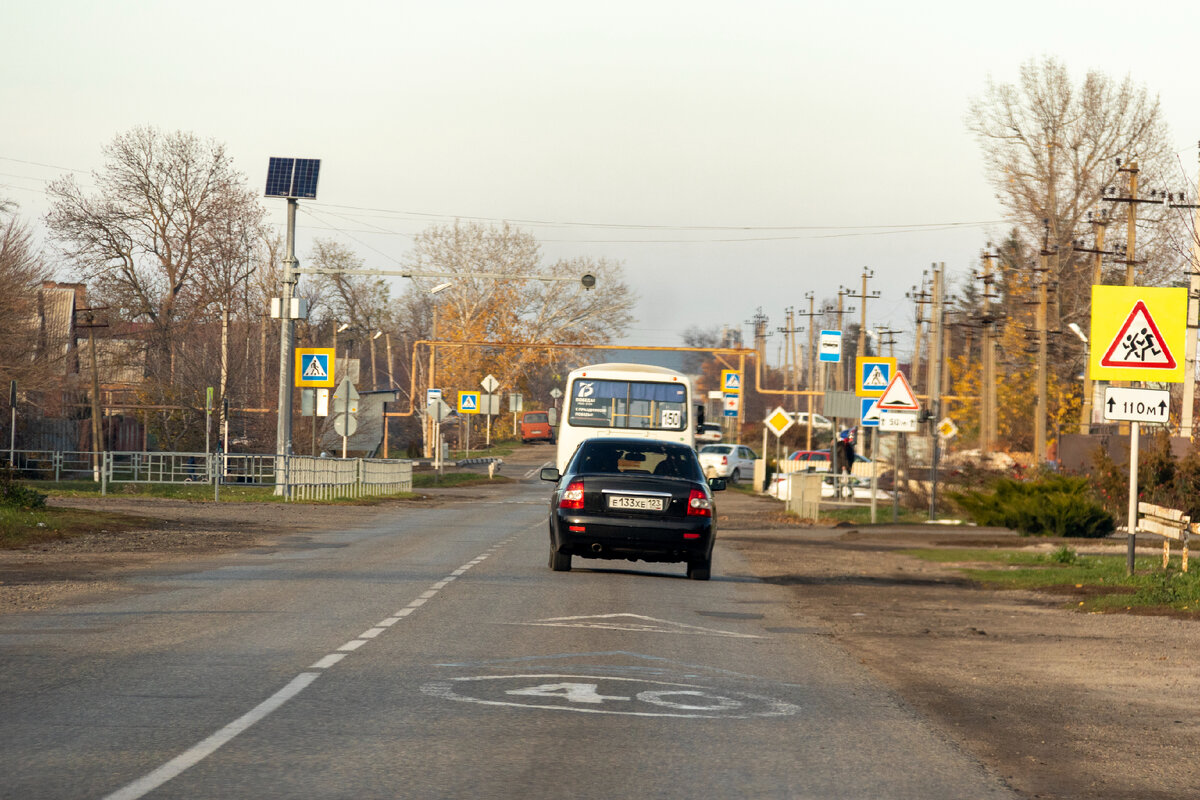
[[635, 503]]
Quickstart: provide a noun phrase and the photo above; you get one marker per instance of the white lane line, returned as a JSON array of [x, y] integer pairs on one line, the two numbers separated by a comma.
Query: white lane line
[[199, 752], [328, 661], [194, 755]]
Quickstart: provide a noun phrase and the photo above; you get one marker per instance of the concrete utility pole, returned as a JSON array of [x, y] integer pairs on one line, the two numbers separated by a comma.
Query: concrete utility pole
[[810, 378], [864, 296], [1193, 322], [937, 322], [790, 330], [840, 373], [1099, 221], [1039, 422], [920, 298], [1131, 200], [987, 405]]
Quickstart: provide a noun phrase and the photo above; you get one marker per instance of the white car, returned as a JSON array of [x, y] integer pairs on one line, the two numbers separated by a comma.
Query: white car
[[710, 433], [852, 489], [731, 461], [818, 422]]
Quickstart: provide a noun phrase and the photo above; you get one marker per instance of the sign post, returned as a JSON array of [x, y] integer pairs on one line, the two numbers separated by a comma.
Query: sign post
[[1137, 332]]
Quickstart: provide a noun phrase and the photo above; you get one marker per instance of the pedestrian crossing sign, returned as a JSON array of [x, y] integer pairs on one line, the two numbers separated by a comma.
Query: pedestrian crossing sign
[[731, 381], [314, 367], [468, 402], [874, 374], [1138, 333]]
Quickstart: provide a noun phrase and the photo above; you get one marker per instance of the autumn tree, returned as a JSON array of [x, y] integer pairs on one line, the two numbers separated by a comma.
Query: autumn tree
[[542, 302]]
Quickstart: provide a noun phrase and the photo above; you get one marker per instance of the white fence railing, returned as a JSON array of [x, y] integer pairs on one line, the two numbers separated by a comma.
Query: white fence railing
[[295, 477]]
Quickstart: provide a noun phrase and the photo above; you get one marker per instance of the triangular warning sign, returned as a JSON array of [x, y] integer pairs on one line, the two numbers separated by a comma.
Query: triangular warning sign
[[876, 380], [315, 368], [1139, 344], [898, 396]]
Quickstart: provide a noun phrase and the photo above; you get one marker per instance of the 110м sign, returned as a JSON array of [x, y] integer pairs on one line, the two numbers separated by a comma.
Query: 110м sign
[[1137, 405]]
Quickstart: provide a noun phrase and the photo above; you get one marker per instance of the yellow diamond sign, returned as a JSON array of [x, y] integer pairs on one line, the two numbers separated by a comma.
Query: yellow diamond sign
[[778, 421]]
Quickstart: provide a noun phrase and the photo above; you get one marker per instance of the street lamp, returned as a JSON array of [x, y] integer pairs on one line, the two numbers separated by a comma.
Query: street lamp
[[433, 425], [374, 378], [1085, 413]]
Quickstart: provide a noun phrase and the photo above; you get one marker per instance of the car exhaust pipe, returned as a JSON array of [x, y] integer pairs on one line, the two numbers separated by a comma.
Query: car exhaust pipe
[[597, 547]]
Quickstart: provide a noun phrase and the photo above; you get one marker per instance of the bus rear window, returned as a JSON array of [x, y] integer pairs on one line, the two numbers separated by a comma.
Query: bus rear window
[[628, 404]]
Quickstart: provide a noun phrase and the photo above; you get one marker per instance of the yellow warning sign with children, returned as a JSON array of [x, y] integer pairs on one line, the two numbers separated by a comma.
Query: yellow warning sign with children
[[1138, 333]]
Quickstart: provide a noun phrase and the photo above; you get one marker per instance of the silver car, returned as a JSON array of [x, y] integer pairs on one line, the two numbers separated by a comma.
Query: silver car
[[731, 461]]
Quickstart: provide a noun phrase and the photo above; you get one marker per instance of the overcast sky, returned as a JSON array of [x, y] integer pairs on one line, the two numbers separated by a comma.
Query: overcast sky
[[731, 155]]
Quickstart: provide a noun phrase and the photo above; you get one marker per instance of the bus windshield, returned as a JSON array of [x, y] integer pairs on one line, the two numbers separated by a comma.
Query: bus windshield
[[597, 403]]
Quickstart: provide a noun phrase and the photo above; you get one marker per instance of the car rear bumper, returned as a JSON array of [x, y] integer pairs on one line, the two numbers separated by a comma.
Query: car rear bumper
[[650, 539]]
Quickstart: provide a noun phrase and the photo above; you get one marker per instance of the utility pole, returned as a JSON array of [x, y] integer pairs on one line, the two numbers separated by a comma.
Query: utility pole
[[840, 377], [937, 322], [1099, 221], [97, 428], [283, 429], [987, 406], [920, 299], [1193, 319], [811, 376], [864, 296], [790, 331], [1039, 422]]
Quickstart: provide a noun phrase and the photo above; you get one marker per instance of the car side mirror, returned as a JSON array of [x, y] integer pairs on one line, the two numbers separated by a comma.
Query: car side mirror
[[716, 484], [550, 474]]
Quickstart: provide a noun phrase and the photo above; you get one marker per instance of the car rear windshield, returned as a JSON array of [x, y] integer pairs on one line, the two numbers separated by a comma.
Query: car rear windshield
[[720, 449], [650, 458], [534, 418]]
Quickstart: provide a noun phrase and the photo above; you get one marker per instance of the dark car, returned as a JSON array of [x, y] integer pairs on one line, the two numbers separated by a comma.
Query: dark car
[[633, 499]]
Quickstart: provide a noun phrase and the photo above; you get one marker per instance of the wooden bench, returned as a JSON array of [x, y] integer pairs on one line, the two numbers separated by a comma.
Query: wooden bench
[[1170, 523]]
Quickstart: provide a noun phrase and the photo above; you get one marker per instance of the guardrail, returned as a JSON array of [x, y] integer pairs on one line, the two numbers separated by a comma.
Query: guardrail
[[295, 477]]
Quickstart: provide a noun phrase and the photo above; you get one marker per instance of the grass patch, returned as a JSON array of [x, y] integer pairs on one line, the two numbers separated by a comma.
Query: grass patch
[[22, 528], [429, 480], [862, 516], [1100, 582]]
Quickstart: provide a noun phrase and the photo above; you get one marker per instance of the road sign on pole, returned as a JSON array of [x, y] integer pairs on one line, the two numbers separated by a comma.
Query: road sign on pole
[[1139, 333], [468, 402], [314, 367], [831, 346], [898, 396], [731, 381], [490, 384], [1137, 405], [732, 403], [874, 374], [778, 421]]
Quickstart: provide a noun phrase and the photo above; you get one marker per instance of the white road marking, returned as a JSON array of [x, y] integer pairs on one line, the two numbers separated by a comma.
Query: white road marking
[[197, 753], [328, 661], [633, 622], [204, 749]]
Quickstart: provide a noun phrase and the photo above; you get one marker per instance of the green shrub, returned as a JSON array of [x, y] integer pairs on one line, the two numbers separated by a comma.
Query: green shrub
[[14, 494], [1050, 505]]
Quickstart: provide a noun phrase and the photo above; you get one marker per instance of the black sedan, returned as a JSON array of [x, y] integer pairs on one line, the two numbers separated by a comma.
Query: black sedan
[[633, 499]]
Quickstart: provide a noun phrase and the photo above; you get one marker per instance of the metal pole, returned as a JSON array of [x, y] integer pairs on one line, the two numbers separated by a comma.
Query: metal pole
[[874, 473], [896, 478], [938, 319], [1133, 484], [283, 429], [346, 421]]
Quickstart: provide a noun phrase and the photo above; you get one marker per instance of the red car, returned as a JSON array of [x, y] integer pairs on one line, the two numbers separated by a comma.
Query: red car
[[535, 427]]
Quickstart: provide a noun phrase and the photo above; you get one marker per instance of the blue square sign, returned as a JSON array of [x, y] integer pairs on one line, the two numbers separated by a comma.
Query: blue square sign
[[867, 412]]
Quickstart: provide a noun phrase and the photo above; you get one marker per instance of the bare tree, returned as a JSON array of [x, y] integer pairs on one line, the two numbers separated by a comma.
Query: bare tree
[[1054, 148], [161, 212]]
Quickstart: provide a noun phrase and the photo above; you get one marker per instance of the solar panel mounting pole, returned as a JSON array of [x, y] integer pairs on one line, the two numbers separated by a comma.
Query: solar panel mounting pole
[[283, 430]]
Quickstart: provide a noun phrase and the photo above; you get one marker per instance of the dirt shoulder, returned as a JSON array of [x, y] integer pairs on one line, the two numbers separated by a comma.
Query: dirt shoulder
[[1058, 703]]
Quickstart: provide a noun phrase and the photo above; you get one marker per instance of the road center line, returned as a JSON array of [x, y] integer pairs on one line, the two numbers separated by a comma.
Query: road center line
[[197, 753]]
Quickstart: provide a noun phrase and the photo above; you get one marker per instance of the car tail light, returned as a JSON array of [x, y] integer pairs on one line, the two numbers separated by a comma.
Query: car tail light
[[572, 496], [724, 460], [699, 504]]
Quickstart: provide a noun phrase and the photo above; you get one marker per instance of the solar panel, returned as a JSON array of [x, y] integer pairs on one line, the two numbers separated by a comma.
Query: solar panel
[[293, 177]]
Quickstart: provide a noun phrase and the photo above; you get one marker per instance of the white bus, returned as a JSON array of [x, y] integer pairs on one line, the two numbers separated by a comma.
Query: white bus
[[626, 400]]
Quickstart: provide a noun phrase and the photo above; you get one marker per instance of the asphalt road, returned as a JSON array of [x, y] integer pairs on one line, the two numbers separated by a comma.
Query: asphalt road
[[438, 656]]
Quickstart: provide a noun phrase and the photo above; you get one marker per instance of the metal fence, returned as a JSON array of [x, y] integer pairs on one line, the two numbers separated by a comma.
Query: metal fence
[[295, 477]]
